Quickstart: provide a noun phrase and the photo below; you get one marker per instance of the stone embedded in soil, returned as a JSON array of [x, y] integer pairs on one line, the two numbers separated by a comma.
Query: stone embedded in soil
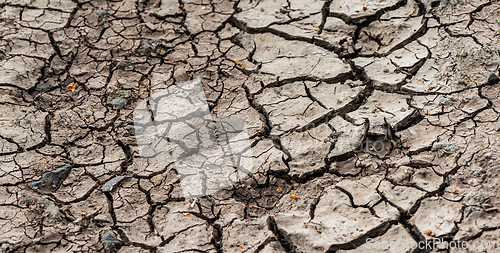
[[112, 183], [117, 102], [100, 13], [53, 179], [109, 241], [492, 79]]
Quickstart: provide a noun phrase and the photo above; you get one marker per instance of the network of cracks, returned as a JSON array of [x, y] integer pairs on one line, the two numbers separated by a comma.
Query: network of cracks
[[368, 121]]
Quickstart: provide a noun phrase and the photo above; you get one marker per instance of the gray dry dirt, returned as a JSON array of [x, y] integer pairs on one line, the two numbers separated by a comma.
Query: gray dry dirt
[[367, 118]]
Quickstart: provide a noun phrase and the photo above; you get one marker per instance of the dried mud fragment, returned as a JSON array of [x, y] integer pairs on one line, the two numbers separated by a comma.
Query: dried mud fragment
[[336, 223], [437, 214], [403, 197]]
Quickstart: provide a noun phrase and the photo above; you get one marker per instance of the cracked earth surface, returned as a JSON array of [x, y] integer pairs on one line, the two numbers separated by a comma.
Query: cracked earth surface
[[367, 119]]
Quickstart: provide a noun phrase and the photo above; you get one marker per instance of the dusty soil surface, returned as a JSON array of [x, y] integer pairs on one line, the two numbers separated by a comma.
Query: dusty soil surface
[[368, 119]]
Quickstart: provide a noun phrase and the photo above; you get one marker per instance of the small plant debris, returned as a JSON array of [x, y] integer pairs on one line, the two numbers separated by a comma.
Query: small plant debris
[[253, 206], [71, 87], [429, 232], [240, 64]]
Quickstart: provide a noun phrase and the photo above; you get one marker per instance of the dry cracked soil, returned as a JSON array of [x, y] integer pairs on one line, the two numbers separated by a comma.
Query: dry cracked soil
[[369, 121]]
